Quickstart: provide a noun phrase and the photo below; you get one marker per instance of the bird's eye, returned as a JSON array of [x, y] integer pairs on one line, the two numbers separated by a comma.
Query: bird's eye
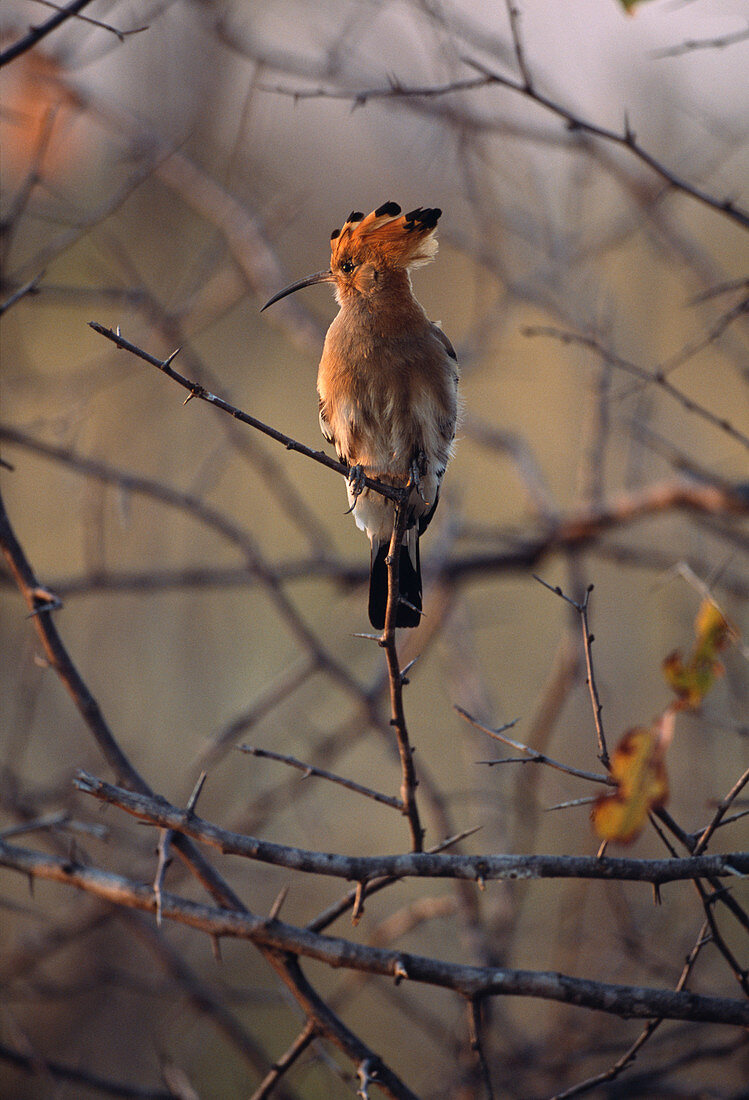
[[347, 267]]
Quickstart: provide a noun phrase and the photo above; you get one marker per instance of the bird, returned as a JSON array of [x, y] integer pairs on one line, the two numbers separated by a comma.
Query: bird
[[387, 387]]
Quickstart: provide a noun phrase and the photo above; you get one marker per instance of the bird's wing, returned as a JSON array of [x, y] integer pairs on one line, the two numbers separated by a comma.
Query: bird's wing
[[325, 423], [444, 340]]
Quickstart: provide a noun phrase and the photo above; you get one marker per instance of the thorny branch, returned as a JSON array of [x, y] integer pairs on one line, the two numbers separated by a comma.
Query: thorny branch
[[722, 809], [575, 123], [578, 529], [651, 1026], [36, 34], [322, 773], [532, 754], [196, 390], [469, 981], [482, 868], [588, 639], [657, 378], [397, 677], [42, 605], [282, 1064], [399, 497], [564, 532]]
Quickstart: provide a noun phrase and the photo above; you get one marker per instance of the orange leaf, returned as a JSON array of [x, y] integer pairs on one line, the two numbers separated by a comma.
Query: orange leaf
[[692, 679], [713, 630], [638, 768]]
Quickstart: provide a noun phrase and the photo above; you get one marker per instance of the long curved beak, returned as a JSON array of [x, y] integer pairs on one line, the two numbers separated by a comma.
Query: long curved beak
[[318, 277]]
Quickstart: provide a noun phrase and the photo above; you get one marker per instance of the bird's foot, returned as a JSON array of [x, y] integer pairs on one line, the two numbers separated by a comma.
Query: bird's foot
[[356, 483], [418, 466]]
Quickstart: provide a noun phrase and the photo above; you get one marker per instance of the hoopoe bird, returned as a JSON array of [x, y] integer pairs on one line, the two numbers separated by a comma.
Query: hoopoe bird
[[387, 386]]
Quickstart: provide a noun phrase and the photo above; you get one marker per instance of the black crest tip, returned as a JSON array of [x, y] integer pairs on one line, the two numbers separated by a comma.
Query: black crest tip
[[336, 233], [424, 219], [355, 216], [391, 209]]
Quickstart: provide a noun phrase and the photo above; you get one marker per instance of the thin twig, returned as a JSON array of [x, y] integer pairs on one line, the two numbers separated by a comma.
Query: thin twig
[[625, 139], [285, 1062], [165, 838], [396, 678], [517, 42], [36, 34], [630, 1055], [201, 995], [56, 820], [475, 1032], [720, 813], [59, 1072], [196, 390], [691, 44], [657, 378], [333, 912], [120, 35], [321, 773], [575, 123], [588, 639], [31, 287], [708, 898], [533, 754]]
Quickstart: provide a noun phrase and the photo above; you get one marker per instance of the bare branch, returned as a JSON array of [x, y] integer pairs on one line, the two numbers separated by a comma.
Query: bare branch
[[196, 390], [59, 1071], [582, 609], [36, 34], [321, 773], [469, 981], [349, 900], [658, 378], [285, 1062], [625, 139], [397, 678], [157, 811], [31, 287], [532, 754], [630, 1055], [720, 812], [692, 44], [119, 34]]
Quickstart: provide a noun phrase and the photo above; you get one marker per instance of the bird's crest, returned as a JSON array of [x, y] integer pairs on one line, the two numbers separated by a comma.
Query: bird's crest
[[401, 240]]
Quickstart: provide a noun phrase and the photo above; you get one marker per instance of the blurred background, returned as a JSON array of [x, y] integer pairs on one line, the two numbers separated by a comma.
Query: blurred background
[[165, 170]]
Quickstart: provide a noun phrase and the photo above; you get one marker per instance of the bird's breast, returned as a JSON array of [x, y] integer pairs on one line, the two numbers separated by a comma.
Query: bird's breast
[[386, 396]]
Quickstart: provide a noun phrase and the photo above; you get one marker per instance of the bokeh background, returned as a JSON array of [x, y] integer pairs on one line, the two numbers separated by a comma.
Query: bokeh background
[[168, 181]]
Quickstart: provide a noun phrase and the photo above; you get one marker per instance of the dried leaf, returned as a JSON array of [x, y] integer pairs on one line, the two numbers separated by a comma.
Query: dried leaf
[[638, 768], [693, 678], [712, 629]]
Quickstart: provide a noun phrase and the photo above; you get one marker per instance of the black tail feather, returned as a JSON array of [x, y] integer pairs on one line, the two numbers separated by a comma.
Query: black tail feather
[[409, 584]]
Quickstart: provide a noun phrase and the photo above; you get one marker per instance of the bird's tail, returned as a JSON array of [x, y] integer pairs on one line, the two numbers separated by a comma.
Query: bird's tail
[[409, 585]]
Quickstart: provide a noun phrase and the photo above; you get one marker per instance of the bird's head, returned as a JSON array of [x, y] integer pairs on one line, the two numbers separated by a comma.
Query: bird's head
[[373, 254]]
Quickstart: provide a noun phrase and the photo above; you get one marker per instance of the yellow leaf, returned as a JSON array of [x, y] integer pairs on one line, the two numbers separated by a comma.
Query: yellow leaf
[[638, 768], [692, 679], [712, 629]]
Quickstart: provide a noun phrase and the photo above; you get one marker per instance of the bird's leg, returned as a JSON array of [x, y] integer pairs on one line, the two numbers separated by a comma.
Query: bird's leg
[[418, 467], [356, 482]]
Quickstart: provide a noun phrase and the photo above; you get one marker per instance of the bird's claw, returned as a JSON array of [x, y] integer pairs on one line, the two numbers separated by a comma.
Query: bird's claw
[[416, 479], [356, 482]]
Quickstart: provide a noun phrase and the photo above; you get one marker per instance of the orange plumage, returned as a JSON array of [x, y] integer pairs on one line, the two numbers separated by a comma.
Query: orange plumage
[[388, 385]]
